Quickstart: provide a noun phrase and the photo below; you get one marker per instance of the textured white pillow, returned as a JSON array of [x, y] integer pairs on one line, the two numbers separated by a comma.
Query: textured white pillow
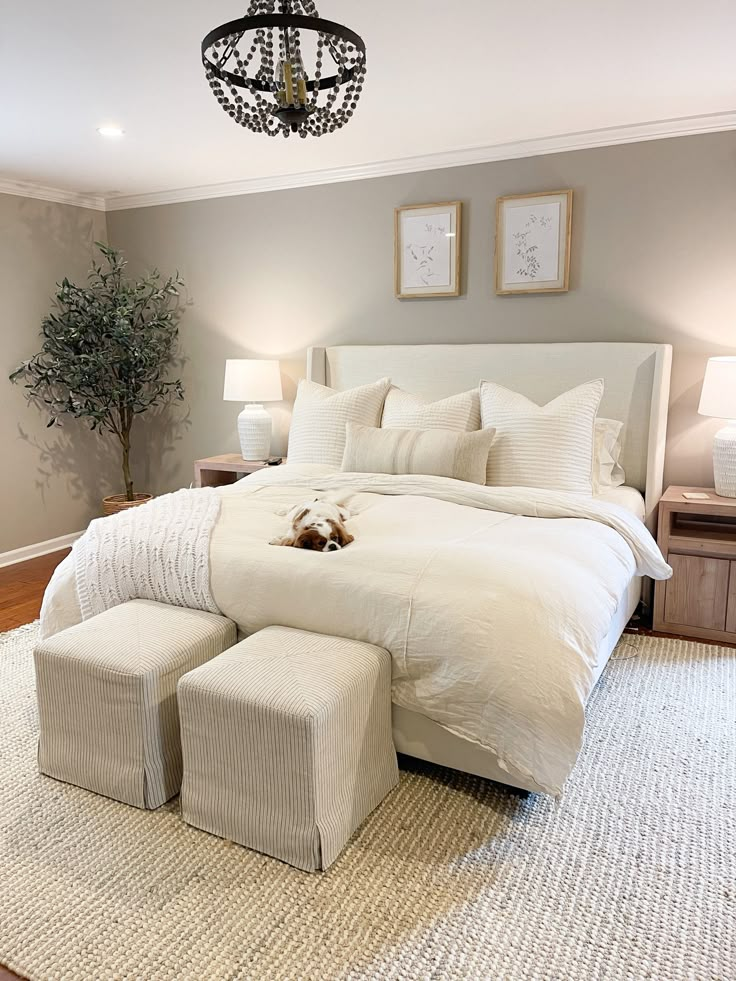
[[317, 433], [460, 413], [541, 445], [607, 471], [440, 452]]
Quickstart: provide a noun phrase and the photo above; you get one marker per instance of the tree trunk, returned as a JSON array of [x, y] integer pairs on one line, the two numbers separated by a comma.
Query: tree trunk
[[125, 440]]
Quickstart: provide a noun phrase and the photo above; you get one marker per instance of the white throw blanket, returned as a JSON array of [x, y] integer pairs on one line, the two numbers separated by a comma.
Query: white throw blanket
[[493, 602], [157, 552]]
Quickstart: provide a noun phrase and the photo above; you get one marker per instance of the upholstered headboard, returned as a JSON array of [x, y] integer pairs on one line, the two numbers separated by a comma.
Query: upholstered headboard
[[636, 376]]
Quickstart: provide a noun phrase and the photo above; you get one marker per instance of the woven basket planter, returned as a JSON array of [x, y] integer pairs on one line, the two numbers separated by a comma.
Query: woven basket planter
[[117, 502]]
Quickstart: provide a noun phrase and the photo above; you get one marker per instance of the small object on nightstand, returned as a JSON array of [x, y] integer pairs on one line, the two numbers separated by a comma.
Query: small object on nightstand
[[718, 399], [216, 471], [274, 461], [697, 536]]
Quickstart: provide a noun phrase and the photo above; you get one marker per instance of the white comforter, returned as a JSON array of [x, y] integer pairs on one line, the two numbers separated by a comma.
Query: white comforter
[[492, 601]]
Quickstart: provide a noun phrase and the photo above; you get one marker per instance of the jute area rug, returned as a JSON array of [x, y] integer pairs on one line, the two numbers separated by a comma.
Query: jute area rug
[[632, 875]]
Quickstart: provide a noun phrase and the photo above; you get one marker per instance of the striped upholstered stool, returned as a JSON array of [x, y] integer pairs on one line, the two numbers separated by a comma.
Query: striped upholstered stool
[[107, 697], [287, 745]]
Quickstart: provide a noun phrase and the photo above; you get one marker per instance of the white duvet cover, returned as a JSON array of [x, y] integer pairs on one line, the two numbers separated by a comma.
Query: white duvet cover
[[492, 601]]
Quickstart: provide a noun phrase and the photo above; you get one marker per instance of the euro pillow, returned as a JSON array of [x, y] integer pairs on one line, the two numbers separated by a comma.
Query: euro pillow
[[548, 445], [317, 433], [460, 413], [439, 452], [607, 470]]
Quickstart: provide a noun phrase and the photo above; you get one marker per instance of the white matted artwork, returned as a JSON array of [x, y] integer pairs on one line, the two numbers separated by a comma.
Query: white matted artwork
[[533, 242], [427, 250]]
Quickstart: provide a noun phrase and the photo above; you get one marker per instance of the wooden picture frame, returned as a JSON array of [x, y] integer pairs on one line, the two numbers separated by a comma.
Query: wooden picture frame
[[532, 249], [427, 252]]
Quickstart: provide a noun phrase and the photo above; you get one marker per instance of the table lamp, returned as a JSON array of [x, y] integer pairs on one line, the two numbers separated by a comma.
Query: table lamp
[[718, 398], [254, 382]]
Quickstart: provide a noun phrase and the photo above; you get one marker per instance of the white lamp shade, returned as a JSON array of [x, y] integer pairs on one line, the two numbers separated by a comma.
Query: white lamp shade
[[718, 397], [252, 381]]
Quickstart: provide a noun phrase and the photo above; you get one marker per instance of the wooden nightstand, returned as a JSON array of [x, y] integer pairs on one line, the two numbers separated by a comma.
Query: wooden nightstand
[[698, 539], [214, 471]]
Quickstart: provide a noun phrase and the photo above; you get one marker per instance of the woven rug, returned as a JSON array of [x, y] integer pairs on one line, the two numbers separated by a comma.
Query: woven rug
[[632, 875]]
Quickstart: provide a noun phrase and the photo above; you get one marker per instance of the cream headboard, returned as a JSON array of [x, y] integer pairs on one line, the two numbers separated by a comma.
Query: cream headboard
[[636, 376]]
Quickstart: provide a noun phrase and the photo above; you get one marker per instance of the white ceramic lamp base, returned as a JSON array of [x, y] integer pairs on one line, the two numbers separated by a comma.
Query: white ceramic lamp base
[[254, 430], [724, 460]]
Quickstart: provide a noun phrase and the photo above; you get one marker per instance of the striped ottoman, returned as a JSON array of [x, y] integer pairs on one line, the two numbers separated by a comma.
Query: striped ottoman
[[107, 697], [287, 745]]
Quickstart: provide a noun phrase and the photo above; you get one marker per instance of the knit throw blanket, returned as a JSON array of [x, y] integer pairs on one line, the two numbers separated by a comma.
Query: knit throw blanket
[[159, 551]]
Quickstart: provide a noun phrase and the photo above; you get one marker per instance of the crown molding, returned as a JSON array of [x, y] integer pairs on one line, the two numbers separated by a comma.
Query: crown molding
[[26, 189], [585, 140]]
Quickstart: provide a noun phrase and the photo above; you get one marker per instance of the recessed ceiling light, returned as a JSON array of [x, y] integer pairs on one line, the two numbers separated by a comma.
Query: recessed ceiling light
[[110, 131]]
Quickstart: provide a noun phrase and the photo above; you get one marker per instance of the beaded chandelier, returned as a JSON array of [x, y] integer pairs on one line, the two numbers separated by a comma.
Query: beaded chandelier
[[256, 69]]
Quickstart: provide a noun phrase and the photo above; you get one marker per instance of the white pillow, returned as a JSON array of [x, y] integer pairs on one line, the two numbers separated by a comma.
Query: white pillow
[[317, 433], [460, 413], [607, 471], [541, 446], [441, 452]]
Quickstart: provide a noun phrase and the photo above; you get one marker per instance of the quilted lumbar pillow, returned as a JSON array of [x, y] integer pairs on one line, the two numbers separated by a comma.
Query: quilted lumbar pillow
[[317, 433], [439, 452], [542, 445], [461, 413]]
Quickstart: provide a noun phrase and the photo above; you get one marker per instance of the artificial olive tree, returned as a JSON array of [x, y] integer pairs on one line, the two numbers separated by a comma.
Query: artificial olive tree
[[107, 348]]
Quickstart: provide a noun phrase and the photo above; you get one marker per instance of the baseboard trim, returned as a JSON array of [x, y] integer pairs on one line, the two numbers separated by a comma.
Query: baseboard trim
[[40, 548]]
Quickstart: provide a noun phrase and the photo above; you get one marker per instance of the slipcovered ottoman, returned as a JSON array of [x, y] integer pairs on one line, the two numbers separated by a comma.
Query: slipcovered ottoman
[[106, 693], [287, 743]]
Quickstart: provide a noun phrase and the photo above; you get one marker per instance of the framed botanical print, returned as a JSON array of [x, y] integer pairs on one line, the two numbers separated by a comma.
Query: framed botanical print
[[427, 250], [533, 242]]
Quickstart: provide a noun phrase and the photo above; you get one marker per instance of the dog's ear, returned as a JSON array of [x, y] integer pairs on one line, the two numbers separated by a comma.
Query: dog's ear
[[294, 513], [298, 517], [343, 536]]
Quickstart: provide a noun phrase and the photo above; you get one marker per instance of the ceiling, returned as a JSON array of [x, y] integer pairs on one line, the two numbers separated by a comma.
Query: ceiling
[[441, 76]]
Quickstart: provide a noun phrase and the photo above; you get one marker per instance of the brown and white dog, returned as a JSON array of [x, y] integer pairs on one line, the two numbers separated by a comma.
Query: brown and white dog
[[318, 525]]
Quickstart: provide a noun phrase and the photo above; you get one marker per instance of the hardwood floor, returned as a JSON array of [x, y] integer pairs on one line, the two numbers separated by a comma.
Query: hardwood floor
[[21, 590]]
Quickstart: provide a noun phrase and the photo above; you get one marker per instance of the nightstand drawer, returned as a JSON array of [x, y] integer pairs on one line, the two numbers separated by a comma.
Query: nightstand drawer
[[698, 593], [698, 539]]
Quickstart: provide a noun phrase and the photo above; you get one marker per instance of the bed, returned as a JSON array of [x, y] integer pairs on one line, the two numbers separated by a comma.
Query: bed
[[637, 382], [372, 593]]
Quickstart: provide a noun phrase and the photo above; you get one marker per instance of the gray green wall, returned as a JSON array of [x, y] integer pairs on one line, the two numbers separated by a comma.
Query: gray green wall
[[51, 478], [653, 259]]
